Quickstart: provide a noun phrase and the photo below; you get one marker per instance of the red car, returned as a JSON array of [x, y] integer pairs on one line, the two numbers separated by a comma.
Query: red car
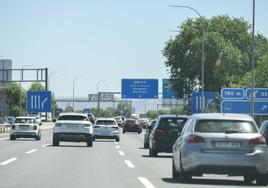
[[132, 125]]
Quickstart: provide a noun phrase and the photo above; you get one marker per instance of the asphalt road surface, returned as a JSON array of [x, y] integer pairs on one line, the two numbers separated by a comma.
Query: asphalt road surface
[[26, 163]]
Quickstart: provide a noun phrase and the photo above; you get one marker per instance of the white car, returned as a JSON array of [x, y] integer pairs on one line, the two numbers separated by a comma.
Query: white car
[[25, 127], [106, 128], [73, 127]]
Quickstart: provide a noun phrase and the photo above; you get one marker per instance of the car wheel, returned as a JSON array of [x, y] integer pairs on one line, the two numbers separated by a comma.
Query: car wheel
[[248, 179], [117, 139], [152, 152], [146, 145], [90, 143], [124, 132], [93, 139], [38, 137], [175, 173], [12, 138], [261, 180], [139, 132], [56, 141]]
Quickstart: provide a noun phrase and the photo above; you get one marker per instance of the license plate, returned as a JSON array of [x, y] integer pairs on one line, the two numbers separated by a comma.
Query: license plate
[[24, 127], [71, 126], [227, 145]]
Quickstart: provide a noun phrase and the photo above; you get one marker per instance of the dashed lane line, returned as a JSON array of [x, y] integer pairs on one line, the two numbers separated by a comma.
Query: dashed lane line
[[45, 145], [31, 151], [121, 153], [8, 161], [146, 182], [129, 164], [117, 147]]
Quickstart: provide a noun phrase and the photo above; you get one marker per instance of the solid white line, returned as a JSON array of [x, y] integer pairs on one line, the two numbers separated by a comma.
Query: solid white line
[[8, 161], [31, 151], [117, 147], [146, 182], [121, 153], [45, 145], [129, 164]]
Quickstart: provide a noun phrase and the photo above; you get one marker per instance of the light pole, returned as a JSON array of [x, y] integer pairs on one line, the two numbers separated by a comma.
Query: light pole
[[21, 77], [78, 77], [202, 58], [98, 96], [252, 61]]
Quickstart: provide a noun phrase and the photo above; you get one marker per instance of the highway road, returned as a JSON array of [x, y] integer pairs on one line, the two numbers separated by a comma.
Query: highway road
[[26, 163]]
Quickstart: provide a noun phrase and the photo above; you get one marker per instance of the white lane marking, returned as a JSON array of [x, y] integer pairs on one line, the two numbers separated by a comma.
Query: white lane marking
[[117, 147], [121, 153], [45, 145], [116, 142], [31, 151], [8, 161], [129, 164], [146, 182]]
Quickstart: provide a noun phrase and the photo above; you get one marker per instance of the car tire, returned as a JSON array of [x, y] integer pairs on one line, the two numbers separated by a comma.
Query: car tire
[[56, 141], [12, 138], [139, 132], [38, 137], [248, 179], [93, 139], [117, 139], [90, 143], [175, 173], [152, 152], [146, 145], [124, 132], [261, 180]]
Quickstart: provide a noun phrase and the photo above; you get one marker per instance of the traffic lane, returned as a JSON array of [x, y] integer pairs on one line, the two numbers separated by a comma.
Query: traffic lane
[[158, 170], [18, 147], [70, 165]]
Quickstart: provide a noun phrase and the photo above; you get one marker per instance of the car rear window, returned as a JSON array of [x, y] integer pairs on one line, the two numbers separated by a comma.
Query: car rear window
[[20, 120], [172, 123], [131, 122], [223, 126], [73, 118], [105, 122]]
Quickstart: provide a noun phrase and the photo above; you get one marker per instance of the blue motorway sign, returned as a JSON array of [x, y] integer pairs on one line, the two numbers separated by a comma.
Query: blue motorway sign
[[140, 88], [259, 93], [233, 93], [38, 101], [87, 110], [243, 107], [168, 93], [210, 99]]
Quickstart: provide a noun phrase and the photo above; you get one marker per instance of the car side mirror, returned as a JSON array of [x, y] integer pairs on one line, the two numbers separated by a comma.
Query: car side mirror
[[54, 120]]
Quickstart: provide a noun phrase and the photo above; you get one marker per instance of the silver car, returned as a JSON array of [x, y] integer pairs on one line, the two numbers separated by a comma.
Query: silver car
[[220, 144], [106, 128]]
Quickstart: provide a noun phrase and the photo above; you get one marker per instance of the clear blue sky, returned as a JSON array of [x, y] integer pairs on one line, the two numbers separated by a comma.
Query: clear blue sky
[[103, 39]]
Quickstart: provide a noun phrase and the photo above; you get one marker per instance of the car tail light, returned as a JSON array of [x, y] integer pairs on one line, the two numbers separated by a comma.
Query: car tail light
[[87, 125], [115, 127], [257, 140], [13, 126], [193, 138], [35, 127], [137, 125]]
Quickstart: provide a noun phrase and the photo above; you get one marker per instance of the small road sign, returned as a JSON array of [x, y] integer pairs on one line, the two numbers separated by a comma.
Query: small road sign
[[210, 98], [232, 93], [168, 93]]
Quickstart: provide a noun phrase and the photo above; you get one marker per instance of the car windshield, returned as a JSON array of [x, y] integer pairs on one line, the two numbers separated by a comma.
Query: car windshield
[[73, 118], [172, 123], [25, 120], [225, 126], [105, 122]]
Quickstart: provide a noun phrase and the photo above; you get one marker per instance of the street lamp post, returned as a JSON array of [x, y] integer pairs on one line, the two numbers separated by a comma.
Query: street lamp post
[[78, 77], [98, 96], [21, 77], [252, 61], [202, 58]]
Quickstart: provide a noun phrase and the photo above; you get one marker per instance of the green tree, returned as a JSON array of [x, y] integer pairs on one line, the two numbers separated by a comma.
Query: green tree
[[227, 55], [13, 94]]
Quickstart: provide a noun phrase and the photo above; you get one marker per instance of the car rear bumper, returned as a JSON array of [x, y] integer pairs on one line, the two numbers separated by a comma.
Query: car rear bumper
[[132, 129], [25, 134], [107, 134], [73, 137], [232, 164]]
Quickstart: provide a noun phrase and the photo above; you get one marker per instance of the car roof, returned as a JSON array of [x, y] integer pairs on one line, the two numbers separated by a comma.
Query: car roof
[[25, 117], [106, 119], [72, 114], [172, 116], [225, 116]]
